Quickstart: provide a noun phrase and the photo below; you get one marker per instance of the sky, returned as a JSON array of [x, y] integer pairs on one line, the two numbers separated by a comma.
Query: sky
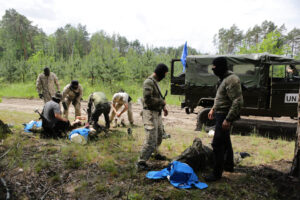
[[158, 22]]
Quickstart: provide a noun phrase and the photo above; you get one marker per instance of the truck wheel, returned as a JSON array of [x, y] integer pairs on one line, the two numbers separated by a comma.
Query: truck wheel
[[202, 119]]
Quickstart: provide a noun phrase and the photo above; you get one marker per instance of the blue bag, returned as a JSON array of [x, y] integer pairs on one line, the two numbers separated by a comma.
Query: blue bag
[[30, 125], [81, 131], [180, 175]]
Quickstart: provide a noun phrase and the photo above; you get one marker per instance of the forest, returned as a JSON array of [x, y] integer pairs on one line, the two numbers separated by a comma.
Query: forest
[[113, 61]]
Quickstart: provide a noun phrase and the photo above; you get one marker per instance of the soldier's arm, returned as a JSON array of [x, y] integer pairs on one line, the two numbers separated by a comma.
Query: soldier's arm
[[124, 110], [56, 82], [65, 92], [80, 94], [39, 85], [234, 92], [148, 97]]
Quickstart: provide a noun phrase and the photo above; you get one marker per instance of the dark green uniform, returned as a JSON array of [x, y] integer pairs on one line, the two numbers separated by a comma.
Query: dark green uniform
[[229, 99], [98, 104], [228, 102]]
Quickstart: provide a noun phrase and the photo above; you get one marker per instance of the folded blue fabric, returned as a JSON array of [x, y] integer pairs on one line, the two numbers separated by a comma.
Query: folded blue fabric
[[30, 125], [81, 131], [180, 175]]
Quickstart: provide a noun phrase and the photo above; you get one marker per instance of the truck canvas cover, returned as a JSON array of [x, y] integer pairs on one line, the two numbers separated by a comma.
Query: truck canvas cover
[[249, 67]]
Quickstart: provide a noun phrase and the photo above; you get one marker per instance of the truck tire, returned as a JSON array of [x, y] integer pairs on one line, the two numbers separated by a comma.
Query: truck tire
[[202, 119]]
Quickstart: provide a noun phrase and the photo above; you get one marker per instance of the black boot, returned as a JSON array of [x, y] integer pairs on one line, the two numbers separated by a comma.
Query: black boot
[[211, 178]]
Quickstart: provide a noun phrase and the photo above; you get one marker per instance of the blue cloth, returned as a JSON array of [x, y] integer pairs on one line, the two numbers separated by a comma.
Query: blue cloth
[[81, 131], [180, 175], [183, 56], [30, 125]]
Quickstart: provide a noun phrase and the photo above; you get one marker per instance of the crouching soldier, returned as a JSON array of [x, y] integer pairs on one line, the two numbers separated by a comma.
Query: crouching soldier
[[72, 93], [52, 121], [121, 99], [98, 104]]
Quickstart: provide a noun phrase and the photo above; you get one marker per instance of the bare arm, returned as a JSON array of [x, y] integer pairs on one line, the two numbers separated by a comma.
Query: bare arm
[[124, 110], [59, 117]]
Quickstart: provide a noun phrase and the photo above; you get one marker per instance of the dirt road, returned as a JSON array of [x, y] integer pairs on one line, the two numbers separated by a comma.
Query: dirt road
[[176, 114]]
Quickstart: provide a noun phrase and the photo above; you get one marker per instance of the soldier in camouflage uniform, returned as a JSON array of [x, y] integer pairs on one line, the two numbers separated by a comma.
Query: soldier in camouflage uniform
[[72, 93], [98, 104], [226, 109], [153, 105], [45, 84]]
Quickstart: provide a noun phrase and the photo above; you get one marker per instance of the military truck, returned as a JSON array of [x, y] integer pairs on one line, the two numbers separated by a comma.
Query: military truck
[[270, 84]]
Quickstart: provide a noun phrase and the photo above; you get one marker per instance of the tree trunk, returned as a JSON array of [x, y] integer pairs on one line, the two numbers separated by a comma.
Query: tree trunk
[[295, 171]]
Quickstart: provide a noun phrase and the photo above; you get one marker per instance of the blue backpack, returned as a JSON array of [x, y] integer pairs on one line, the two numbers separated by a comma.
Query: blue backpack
[[180, 175]]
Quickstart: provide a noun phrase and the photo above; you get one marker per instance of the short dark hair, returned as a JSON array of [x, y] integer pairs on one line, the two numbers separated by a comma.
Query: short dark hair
[[74, 83]]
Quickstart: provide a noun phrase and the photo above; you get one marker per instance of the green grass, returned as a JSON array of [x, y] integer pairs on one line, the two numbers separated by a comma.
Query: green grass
[[105, 168], [28, 90]]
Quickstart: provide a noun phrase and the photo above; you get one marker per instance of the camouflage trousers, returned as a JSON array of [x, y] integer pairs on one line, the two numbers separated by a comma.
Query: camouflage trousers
[[154, 129], [47, 96], [129, 112], [76, 105]]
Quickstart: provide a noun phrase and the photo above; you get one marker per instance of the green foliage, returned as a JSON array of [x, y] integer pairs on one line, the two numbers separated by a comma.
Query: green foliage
[[71, 54], [266, 37], [273, 43]]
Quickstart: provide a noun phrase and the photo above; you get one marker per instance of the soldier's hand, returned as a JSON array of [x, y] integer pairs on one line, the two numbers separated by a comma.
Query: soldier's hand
[[165, 111], [226, 125], [41, 96], [119, 115], [211, 114]]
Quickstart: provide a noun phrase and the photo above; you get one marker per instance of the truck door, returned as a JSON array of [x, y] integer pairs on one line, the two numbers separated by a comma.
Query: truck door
[[177, 77], [284, 91], [249, 75]]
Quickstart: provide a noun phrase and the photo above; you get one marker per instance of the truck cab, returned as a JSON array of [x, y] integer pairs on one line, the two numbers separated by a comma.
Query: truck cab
[[270, 83]]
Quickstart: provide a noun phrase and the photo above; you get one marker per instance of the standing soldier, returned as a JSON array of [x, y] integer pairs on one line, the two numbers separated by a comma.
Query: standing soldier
[[72, 93], [98, 104], [226, 109], [153, 105], [121, 99], [45, 84]]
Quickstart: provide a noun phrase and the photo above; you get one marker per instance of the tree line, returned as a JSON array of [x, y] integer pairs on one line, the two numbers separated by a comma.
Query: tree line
[[267, 37], [73, 53]]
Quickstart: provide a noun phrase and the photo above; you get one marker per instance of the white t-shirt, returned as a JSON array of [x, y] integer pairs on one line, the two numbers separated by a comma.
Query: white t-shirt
[[120, 98]]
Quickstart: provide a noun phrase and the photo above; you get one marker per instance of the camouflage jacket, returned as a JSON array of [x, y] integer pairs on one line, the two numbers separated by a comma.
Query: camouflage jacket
[[229, 98], [71, 94], [152, 96], [97, 98], [45, 84]]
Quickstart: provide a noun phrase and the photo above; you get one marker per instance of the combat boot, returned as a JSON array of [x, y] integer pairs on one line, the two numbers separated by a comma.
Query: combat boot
[[142, 166]]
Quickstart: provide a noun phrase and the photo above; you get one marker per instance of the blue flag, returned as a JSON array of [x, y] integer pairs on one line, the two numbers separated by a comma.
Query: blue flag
[[183, 56]]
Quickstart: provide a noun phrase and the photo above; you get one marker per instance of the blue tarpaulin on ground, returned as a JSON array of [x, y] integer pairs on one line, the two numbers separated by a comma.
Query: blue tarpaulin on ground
[[180, 175], [28, 126]]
